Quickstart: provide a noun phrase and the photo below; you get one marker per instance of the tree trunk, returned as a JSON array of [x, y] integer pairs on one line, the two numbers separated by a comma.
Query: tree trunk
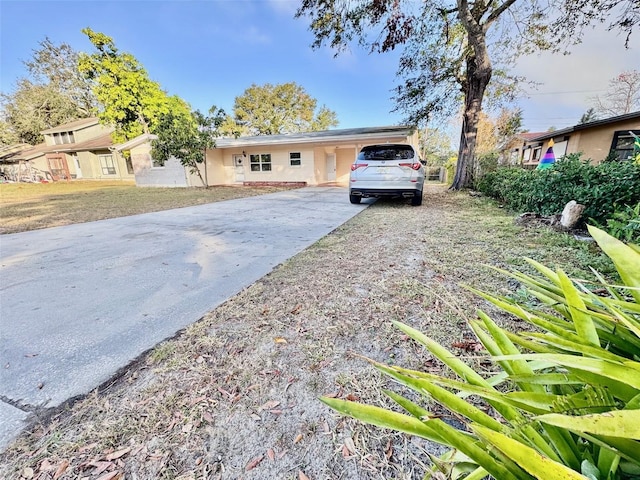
[[474, 88], [477, 77]]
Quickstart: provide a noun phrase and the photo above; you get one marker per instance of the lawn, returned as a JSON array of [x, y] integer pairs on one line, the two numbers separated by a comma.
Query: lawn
[[236, 394], [30, 206]]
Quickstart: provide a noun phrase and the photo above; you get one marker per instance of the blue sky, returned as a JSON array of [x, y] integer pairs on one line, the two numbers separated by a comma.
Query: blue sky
[[209, 52]]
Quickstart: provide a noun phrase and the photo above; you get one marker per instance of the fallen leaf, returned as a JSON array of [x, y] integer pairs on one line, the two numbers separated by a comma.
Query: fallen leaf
[[280, 340], [61, 469], [254, 463], [271, 454], [298, 438], [269, 405], [28, 472], [302, 476], [207, 416], [296, 309], [111, 476], [388, 451], [100, 467], [348, 442], [118, 453], [256, 417], [345, 452], [275, 412], [46, 465], [353, 398]]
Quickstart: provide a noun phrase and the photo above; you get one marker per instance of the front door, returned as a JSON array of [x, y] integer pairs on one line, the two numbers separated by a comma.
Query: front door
[[58, 166], [238, 163], [331, 167]]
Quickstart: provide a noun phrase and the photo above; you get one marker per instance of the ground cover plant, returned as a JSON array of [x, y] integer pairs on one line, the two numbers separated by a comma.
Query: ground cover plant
[[610, 191], [563, 401], [29, 206], [236, 395]]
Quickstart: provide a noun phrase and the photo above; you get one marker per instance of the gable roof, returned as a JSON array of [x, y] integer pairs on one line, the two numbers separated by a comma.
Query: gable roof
[[584, 126], [346, 134], [71, 126]]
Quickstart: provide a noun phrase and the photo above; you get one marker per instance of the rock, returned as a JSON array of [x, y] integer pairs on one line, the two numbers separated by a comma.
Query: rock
[[571, 214]]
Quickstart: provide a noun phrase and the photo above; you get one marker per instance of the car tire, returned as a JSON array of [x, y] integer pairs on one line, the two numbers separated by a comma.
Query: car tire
[[416, 201], [355, 199]]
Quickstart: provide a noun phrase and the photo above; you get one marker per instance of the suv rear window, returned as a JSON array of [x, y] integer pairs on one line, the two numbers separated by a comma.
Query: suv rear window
[[386, 152]]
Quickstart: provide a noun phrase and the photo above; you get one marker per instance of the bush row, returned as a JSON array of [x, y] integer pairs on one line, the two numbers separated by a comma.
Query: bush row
[[607, 190]]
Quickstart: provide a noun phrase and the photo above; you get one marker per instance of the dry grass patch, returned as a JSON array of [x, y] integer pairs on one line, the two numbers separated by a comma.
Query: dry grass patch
[[235, 395], [31, 206]]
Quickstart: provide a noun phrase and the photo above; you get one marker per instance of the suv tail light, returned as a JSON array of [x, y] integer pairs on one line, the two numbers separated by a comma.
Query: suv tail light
[[414, 166], [355, 166]]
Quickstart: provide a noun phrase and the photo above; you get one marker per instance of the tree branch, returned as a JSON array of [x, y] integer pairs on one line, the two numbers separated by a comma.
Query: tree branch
[[497, 12]]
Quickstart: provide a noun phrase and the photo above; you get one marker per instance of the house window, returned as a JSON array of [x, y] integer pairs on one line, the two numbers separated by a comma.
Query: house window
[[295, 159], [107, 165], [622, 145], [261, 162], [537, 151], [62, 138]]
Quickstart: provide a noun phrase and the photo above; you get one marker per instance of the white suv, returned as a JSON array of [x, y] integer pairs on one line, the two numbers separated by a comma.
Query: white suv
[[388, 170]]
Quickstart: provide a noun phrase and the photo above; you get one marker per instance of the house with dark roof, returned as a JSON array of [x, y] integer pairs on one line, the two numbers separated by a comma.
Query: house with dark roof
[[597, 140], [311, 158], [78, 149]]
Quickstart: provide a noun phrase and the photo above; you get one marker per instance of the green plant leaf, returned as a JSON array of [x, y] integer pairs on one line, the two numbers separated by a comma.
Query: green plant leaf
[[529, 459], [617, 423], [584, 326], [625, 259]]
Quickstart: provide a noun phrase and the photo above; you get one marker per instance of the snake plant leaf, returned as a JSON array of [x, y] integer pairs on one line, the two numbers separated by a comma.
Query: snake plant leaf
[[445, 356], [383, 418], [529, 459], [581, 319], [625, 259], [435, 430], [616, 423], [625, 372]]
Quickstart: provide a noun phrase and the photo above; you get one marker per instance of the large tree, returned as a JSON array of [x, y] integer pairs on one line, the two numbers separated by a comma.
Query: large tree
[[54, 92], [284, 108], [450, 47], [622, 96], [187, 136], [130, 101]]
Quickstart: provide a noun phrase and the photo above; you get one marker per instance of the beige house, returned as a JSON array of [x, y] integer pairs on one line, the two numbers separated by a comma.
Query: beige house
[[302, 158], [79, 149], [595, 140]]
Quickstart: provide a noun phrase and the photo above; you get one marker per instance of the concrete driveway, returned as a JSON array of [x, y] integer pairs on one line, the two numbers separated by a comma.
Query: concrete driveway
[[79, 302]]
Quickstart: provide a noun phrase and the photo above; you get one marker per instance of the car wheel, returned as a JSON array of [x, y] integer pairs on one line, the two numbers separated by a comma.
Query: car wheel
[[355, 199], [416, 201]]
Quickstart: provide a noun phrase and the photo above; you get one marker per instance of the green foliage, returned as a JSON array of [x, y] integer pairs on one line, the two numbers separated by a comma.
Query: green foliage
[[186, 136], [624, 224], [602, 188], [54, 93], [276, 109], [563, 399], [131, 102]]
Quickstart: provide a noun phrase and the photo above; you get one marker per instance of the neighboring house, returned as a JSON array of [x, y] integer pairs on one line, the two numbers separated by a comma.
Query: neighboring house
[[595, 140], [79, 149], [303, 158]]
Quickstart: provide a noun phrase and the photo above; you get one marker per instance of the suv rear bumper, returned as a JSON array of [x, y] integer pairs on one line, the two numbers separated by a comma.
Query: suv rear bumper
[[385, 192]]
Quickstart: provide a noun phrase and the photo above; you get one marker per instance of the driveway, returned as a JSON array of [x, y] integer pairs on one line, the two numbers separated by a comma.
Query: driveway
[[82, 301]]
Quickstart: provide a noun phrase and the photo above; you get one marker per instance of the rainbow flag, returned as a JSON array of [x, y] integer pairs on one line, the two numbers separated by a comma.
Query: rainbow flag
[[549, 158]]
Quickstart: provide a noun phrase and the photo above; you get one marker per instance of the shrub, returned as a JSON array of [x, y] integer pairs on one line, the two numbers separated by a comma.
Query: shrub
[[565, 401], [602, 188]]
